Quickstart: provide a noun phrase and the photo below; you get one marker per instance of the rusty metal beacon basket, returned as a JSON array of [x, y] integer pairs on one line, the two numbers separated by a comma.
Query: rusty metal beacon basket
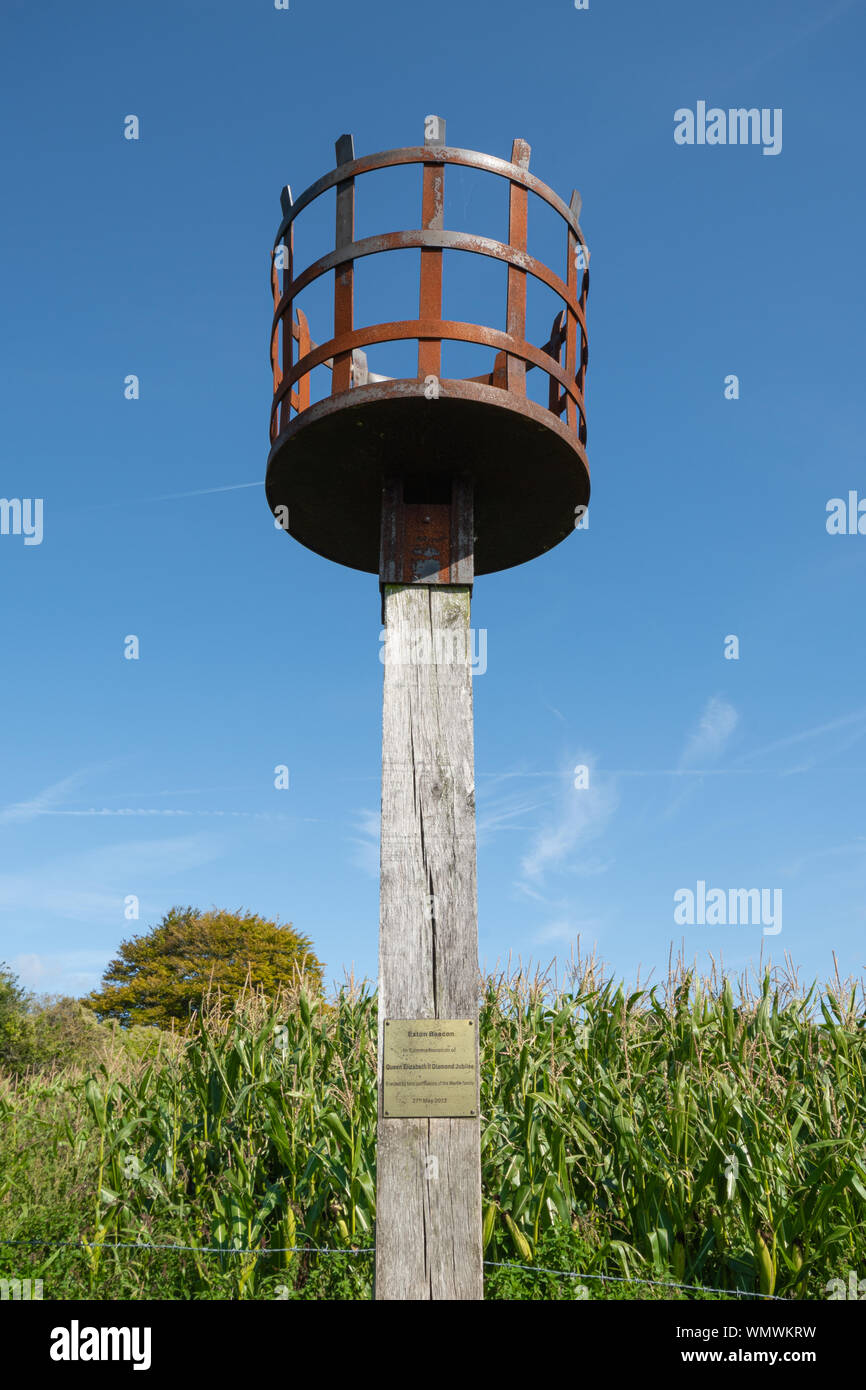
[[330, 460]]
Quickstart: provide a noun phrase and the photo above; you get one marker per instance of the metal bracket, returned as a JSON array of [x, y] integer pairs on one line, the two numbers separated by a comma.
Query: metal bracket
[[427, 541]]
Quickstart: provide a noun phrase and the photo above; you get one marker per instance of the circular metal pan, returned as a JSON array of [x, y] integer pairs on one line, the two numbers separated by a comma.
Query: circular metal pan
[[329, 466]]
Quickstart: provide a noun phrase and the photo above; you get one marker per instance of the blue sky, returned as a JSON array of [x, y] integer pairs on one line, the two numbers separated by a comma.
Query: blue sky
[[708, 517]]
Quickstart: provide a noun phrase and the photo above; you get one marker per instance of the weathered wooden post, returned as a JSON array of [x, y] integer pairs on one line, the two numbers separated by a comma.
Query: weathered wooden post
[[427, 481]]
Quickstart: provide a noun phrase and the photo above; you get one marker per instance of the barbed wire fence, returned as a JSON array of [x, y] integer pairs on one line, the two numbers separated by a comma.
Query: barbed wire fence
[[351, 1251]]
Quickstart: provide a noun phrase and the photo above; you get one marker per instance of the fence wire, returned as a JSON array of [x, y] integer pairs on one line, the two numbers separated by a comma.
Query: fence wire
[[371, 1250]]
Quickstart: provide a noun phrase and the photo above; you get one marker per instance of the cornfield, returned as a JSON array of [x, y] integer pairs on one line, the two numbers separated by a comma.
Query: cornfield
[[703, 1133]]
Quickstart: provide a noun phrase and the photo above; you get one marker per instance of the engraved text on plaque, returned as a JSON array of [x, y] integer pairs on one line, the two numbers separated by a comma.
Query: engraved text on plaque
[[430, 1067]]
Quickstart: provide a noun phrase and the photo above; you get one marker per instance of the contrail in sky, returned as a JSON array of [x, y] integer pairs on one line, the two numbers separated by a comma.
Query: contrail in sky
[[805, 33], [203, 492], [174, 496]]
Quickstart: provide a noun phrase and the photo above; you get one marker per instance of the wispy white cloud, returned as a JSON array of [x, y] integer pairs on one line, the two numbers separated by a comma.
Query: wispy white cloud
[[583, 815], [707, 742], [61, 972], [856, 722], [42, 803], [91, 887], [855, 849], [504, 812], [564, 929], [704, 745], [555, 711], [48, 803], [365, 855], [533, 893], [162, 811]]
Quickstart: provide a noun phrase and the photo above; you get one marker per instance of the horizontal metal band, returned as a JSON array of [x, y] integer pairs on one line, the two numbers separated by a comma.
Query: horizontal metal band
[[456, 388], [441, 329], [429, 154], [443, 241]]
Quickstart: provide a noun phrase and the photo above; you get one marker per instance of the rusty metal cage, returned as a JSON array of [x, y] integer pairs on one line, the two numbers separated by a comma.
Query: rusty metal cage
[[331, 459]]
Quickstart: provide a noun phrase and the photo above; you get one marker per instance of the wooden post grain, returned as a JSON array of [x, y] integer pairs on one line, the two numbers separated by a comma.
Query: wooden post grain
[[428, 1227]]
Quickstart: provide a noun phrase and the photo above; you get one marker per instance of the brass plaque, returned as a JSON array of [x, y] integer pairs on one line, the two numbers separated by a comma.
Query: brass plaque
[[430, 1068]]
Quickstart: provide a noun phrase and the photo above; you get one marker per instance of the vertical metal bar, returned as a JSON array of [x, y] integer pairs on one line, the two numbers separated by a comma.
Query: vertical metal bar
[[571, 321], [576, 202], [516, 315], [500, 371], [303, 349], [391, 535], [344, 275], [462, 569], [288, 272], [275, 336], [557, 334], [432, 219]]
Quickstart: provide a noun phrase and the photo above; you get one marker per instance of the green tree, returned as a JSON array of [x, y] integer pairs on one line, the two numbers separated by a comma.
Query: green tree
[[15, 1041], [165, 973]]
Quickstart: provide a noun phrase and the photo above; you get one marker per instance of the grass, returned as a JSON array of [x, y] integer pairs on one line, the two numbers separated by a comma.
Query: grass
[[704, 1133]]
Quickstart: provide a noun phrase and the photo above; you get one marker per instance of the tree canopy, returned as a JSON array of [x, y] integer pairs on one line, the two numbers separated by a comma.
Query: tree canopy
[[14, 1003], [165, 973]]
